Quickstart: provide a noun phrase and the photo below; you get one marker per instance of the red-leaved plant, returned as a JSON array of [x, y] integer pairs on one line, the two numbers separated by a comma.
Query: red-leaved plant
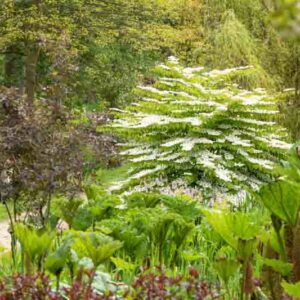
[[150, 284]]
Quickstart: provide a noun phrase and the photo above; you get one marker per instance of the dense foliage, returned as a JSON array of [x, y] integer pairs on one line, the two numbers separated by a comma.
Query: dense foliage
[[244, 249], [128, 175], [59, 48]]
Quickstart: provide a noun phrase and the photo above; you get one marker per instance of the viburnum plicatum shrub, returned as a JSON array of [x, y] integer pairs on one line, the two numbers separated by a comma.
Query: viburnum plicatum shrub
[[194, 130]]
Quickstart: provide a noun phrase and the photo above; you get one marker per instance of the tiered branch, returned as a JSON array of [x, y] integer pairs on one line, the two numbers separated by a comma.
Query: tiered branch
[[198, 131]]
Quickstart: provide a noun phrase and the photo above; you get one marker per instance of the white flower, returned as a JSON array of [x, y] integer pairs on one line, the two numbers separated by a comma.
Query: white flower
[[238, 141], [174, 60], [215, 73]]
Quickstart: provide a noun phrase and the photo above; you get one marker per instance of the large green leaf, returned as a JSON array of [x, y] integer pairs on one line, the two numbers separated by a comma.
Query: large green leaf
[[122, 264], [139, 199], [61, 257], [246, 248], [279, 266], [282, 198], [219, 221], [94, 192], [232, 226], [292, 289], [66, 209], [35, 243], [181, 231], [226, 268], [187, 207], [97, 246], [57, 260]]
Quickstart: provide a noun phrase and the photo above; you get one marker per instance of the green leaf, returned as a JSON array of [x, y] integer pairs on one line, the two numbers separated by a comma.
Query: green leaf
[[96, 246], [35, 243], [83, 219], [55, 263], [66, 209], [63, 256], [122, 264], [279, 266], [226, 268], [94, 192], [186, 207], [282, 198], [219, 221], [191, 256], [139, 199], [232, 226], [292, 290]]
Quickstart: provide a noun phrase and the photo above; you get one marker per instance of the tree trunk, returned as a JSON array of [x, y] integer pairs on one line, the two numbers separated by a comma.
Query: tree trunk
[[10, 70], [31, 60]]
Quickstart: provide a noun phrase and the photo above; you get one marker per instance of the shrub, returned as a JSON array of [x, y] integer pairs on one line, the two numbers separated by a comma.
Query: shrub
[[195, 130]]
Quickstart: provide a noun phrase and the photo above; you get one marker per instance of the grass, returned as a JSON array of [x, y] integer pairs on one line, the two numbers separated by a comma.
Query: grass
[[3, 213], [109, 176]]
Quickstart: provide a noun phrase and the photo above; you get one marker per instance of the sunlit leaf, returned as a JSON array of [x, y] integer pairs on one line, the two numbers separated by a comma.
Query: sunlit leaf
[[226, 268], [282, 198], [279, 266], [122, 264], [292, 289]]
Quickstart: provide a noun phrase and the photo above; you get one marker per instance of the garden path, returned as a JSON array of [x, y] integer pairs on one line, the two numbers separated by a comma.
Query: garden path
[[4, 234]]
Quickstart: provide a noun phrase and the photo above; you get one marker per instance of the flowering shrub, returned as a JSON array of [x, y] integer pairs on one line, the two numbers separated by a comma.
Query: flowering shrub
[[197, 131]]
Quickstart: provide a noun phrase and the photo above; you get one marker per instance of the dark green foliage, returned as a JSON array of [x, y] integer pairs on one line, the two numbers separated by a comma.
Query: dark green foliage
[[108, 73], [188, 135], [240, 32]]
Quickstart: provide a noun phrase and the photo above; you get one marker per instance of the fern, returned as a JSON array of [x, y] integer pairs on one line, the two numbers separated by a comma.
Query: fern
[[197, 131]]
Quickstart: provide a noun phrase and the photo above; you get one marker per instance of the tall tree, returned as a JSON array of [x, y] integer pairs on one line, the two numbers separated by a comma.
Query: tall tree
[[53, 29]]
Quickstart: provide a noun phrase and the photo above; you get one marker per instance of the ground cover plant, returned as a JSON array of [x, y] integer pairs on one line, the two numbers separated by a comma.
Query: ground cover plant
[[234, 253], [148, 149]]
